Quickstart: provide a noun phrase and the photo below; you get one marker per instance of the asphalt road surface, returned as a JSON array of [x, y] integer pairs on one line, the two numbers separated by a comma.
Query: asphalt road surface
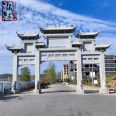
[[58, 100]]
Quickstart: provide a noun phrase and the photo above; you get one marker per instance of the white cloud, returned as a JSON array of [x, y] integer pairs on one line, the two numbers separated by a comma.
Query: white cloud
[[33, 13], [48, 8]]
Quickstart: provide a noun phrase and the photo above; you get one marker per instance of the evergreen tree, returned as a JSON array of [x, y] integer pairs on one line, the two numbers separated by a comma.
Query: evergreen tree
[[25, 74]]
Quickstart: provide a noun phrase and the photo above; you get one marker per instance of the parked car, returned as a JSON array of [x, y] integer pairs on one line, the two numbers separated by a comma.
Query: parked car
[[112, 90], [65, 83], [31, 85], [43, 85]]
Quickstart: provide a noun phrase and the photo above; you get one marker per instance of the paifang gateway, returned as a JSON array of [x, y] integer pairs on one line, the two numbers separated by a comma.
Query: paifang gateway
[[58, 46]]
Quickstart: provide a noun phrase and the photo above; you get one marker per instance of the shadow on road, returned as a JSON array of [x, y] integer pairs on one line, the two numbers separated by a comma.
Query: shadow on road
[[69, 91], [9, 97], [59, 91], [91, 91]]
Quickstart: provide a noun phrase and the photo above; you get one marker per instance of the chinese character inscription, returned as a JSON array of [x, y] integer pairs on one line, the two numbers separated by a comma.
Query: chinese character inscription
[[8, 11]]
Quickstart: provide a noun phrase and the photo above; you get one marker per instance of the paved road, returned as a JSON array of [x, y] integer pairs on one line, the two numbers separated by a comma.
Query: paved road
[[58, 100]]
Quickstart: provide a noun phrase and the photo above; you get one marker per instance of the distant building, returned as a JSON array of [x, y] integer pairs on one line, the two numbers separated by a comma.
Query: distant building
[[65, 71], [62, 74], [110, 67], [58, 75], [110, 64], [6, 77], [73, 70]]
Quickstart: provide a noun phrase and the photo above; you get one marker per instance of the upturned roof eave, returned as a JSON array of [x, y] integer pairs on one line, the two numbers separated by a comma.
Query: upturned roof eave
[[23, 36]]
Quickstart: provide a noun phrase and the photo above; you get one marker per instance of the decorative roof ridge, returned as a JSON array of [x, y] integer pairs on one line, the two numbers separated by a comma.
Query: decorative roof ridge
[[22, 35], [97, 45], [13, 47], [57, 28]]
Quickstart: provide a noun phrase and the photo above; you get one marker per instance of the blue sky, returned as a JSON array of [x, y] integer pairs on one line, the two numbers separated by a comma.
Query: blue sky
[[101, 9], [87, 15]]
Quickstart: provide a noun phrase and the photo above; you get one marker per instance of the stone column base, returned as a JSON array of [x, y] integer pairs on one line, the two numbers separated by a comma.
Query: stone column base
[[38, 91], [79, 90], [15, 91], [103, 90]]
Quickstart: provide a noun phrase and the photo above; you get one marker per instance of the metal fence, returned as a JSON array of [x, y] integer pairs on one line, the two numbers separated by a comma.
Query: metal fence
[[5, 87]]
